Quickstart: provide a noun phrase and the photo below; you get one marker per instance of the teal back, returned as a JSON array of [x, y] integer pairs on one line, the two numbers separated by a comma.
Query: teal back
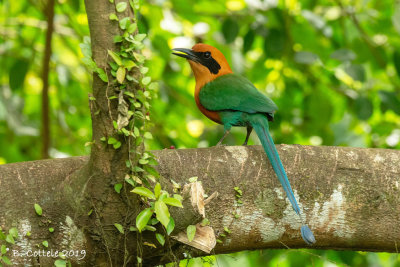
[[235, 93]]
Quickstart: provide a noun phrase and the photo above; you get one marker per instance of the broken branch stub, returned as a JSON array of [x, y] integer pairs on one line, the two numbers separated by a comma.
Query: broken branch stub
[[194, 212]]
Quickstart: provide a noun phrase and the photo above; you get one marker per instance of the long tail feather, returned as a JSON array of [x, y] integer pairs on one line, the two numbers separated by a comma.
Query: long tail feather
[[273, 156], [260, 125]]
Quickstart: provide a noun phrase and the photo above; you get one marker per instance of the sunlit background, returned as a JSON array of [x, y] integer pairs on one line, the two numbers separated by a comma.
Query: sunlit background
[[331, 66]]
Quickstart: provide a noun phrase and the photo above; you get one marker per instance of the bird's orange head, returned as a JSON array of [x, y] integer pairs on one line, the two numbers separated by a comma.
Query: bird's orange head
[[206, 61]]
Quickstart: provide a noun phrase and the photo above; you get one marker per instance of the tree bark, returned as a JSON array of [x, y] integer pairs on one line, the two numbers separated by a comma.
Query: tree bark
[[349, 197]]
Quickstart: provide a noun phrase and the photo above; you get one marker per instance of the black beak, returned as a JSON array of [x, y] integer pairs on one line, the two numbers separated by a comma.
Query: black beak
[[186, 53]]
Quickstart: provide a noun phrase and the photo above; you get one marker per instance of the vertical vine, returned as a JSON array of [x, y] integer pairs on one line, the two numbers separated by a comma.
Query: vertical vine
[[132, 90]]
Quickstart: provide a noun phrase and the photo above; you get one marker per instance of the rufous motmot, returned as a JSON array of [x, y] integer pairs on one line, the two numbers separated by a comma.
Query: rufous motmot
[[232, 100]]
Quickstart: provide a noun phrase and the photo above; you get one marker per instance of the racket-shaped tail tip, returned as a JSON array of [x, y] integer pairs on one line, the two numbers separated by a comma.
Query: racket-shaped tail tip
[[307, 235]]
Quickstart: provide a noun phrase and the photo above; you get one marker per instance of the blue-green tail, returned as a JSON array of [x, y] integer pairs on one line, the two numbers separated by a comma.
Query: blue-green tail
[[260, 125], [262, 131]]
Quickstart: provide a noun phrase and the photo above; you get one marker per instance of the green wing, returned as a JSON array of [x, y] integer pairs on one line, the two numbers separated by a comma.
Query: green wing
[[234, 92]]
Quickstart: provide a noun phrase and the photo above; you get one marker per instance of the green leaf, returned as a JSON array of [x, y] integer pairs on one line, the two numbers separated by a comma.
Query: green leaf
[[10, 239], [154, 221], [162, 212], [153, 86], [143, 161], [139, 58], [230, 29], [116, 57], [128, 63], [390, 101], [117, 145], [363, 108], [125, 132], [173, 202], [356, 72], [14, 232], [123, 23], [304, 57], [136, 131], [132, 28], [178, 197], [152, 171], [160, 239], [60, 263], [2, 235], [227, 230], [134, 4], [17, 74], [193, 179], [171, 225], [275, 43], [205, 222], [140, 37], [45, 243], [130, 181], [38, 209], [143, 218], [117, 39], [121, 6], [157, 190], [115, 124], [51, 229], [121, 74], [3, 249], [148, 135], [111, 140], [191, 232], [103, 76], [117, 188], [143, 191], [86, 50], [248, 40], [119, 227], [6, 260], [113, 17], [150, 228], [146, 80], [144, 70], [343, 55]]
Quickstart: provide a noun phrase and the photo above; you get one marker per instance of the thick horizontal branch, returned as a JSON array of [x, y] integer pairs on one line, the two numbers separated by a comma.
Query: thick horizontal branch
[[349, 196]]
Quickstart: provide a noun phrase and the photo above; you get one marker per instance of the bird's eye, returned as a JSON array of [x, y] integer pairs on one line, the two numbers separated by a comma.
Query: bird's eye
[[207, 54]]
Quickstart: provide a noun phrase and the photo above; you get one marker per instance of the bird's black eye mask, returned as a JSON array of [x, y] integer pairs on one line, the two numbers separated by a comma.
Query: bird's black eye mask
[[204, 58], [208, 61]]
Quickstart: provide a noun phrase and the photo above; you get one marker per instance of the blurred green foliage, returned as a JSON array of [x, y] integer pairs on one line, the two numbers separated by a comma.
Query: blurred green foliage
[[331, 66]]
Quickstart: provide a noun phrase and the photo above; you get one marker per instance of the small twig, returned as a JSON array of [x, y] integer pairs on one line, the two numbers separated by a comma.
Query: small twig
[[213, 195]]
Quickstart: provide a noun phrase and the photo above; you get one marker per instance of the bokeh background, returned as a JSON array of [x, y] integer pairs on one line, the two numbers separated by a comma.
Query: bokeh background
[[331, 66]]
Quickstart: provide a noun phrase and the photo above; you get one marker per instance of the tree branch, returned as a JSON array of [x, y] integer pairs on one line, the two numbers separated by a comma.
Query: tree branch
[[345, 194]]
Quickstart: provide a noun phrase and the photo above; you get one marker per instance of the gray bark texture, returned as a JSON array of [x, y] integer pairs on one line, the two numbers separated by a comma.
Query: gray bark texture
[[349, 197]]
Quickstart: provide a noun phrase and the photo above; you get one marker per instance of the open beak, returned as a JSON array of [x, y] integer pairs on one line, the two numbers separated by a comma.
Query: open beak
[[186, 53]]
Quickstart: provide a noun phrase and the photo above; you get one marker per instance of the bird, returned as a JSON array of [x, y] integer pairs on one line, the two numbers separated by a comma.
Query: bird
[[232, 100]]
